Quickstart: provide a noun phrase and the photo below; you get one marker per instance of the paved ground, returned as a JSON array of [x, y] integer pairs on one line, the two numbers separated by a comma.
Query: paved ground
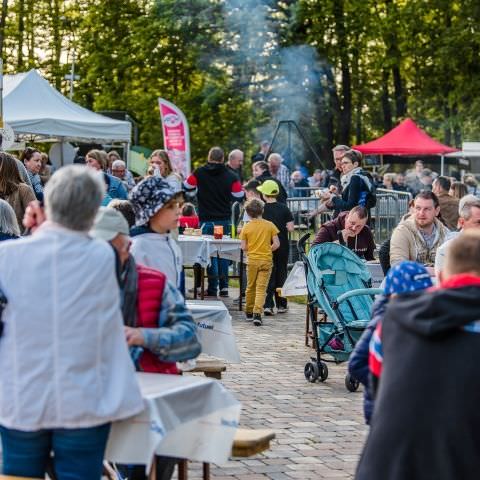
[[319, 427]]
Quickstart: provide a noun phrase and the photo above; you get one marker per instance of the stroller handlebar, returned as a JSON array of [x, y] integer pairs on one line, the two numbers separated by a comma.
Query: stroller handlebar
[[358, 292], [302, 242]]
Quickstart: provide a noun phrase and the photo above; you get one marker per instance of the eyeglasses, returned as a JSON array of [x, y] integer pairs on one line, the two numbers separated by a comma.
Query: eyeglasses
[[346, 162]]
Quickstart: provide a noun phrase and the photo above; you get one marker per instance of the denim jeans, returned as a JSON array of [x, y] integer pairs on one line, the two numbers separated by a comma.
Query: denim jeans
[[78, 453], [218, 270]]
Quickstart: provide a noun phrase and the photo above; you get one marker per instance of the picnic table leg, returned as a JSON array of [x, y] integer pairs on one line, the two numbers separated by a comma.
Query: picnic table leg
[[206, 471], [195, 270], [153, 471], [183, 470], [202, 283], [240, 269]]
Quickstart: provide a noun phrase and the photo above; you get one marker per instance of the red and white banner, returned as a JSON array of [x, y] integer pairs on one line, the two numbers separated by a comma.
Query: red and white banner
[[176, 137]]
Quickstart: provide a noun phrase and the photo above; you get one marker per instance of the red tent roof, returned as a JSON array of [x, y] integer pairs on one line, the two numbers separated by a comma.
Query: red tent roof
[[405, 139]]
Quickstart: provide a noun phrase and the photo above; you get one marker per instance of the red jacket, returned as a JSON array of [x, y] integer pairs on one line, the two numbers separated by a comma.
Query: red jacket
[[191, 222], [151, 284]]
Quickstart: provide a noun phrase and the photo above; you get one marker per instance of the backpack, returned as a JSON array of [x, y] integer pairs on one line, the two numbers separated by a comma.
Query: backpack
[[369, 198]]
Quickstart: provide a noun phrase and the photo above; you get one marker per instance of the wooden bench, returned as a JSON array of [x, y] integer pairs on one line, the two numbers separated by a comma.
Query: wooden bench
[[9, 477], [247, 442], [211, 368]]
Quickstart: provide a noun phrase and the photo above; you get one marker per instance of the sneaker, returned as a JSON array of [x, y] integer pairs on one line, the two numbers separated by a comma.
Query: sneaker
[[210, 295], [237, 300], [248, 317], [257, 319], [224, 292], [282, 309], [268, 312]]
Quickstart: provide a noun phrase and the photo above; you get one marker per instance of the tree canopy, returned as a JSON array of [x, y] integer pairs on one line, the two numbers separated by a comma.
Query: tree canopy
[[344, 70]]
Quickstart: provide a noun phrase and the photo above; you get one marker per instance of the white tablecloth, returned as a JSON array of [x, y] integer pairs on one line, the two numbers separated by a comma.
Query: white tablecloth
[[200, 249], [296, 283], [215, 329], [185, 417]]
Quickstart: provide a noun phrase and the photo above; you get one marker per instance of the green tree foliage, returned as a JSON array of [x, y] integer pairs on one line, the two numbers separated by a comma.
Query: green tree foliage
[[345, 70]]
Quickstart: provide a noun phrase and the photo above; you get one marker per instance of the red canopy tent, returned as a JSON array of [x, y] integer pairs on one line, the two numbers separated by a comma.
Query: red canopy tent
[[405, 139]]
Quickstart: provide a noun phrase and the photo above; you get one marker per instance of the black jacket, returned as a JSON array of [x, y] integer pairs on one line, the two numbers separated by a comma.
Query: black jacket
[[216, 188], [352, 195], [426, 421]]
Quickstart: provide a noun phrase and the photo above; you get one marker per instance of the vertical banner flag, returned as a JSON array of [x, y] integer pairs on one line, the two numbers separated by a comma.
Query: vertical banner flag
[[176, 137]]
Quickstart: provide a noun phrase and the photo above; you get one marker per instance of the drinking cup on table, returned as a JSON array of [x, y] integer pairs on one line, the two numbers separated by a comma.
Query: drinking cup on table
[[218, 232]]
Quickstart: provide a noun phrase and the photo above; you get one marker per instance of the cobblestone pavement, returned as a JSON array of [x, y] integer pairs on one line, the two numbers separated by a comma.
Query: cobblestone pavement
[[319, 427]]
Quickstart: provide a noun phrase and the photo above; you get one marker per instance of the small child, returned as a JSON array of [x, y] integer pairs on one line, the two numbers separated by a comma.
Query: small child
[[259, 239], [157, 210], [189, 218], [281, 216]]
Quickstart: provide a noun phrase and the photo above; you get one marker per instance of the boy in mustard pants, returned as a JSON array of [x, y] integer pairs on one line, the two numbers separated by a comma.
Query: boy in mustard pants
[[259, 239]]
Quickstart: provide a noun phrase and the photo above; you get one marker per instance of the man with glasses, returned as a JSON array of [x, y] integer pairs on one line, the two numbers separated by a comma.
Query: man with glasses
[[338, 153]]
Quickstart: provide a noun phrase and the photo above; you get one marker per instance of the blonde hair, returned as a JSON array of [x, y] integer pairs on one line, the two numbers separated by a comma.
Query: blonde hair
[[100, 156], [163, 154]]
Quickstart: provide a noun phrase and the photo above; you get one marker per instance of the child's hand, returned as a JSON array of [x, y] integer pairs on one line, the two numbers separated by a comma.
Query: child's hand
[[133, 336]]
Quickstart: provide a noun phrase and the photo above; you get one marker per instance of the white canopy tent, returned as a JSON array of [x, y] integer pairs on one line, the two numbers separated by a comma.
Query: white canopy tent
[[32, 107], [471, 151]]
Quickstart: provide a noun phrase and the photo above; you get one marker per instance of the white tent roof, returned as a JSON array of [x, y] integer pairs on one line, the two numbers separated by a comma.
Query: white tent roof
[[32, 106], [469, 150]]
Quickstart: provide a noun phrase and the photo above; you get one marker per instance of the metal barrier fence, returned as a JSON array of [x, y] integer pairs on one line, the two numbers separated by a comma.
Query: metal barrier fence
[[391, 206], [306, 220]]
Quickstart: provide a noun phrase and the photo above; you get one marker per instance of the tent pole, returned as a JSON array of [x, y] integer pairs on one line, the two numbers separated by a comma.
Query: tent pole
[[127, 154], [442, 166], [62, 161]]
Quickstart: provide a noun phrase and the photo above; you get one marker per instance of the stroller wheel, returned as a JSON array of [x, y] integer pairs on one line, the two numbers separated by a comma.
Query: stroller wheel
[[311, 371], [323, 371], [351, 383]]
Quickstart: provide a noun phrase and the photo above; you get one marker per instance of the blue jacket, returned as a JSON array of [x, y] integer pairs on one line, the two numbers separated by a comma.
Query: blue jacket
[[115, 187], [358, 363]]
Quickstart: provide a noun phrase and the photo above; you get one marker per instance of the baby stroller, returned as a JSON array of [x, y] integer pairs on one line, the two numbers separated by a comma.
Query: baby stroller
[[339, 284]]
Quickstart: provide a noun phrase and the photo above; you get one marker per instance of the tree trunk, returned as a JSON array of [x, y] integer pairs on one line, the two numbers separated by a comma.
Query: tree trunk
[[30, 33], [395, 59], [358, 95], [457, 133], [345, 118], [3, 17], [447, 132], [400, 100], [385, 99], [21, 31], [57, 43]]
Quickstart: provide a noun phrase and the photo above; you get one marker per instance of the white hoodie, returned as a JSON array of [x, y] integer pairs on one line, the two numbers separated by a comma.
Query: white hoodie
[[159, 251]]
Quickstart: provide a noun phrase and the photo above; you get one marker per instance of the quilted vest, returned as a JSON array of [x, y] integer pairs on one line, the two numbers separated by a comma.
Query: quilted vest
[[151, 284]]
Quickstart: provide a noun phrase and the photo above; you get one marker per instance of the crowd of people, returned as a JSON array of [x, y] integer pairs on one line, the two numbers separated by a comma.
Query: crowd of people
[[106, 297]]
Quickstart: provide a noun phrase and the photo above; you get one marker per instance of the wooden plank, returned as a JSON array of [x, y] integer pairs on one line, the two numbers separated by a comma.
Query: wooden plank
[[211, 368], [9, 477], [249, 442]]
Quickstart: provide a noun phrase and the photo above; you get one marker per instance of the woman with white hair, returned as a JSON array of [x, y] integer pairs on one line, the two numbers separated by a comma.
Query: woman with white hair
[[8, 222], [66, 371]]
